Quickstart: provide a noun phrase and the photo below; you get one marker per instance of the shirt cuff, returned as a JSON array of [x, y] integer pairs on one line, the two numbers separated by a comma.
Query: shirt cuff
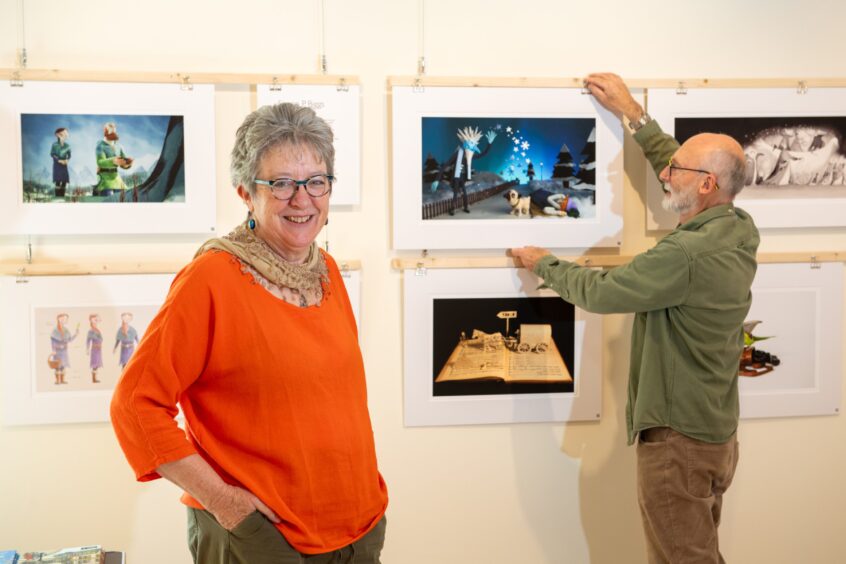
[[542, 266]]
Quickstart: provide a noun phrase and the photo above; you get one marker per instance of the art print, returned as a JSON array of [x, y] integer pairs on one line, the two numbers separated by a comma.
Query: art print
[[486, 346], [793, 142], [101, 158], [66, 340], [517, 168], [791, 363], [70, 158], [499, 167], [340, 106], [86, 348], [494, 346]]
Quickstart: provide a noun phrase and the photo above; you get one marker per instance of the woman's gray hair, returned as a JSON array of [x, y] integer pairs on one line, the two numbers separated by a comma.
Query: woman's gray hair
[[273, 126]]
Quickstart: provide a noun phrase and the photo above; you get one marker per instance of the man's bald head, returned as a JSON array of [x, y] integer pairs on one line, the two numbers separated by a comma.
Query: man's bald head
[[721, 155]]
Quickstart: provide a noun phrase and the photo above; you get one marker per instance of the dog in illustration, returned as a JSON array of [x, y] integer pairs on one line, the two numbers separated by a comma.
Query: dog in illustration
[[519, 204]]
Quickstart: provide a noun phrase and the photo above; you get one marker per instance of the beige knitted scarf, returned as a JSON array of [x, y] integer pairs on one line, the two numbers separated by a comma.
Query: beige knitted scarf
[[252, 251]]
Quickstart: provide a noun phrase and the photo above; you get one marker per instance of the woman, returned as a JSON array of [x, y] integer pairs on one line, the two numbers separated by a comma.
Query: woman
[[257, 343], [60, 338], [94, 346], [126, 339], [60, 152]]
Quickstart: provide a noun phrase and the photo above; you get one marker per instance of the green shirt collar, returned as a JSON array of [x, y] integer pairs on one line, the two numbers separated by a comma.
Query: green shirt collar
[[705, 216]]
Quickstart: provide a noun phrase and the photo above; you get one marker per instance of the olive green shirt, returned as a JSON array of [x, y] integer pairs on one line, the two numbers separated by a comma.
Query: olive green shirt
[[691, 294]]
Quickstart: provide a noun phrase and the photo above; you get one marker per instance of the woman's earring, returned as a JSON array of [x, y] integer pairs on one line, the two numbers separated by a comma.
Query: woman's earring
[[251, 223]]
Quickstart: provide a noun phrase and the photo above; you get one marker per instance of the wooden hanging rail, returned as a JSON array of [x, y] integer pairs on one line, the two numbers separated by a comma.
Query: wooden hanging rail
[[605, 261], [176, 78], [577, 82], [78, 269]]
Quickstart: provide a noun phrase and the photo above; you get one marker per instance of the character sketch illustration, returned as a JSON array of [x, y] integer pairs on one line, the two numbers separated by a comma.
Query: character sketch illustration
[[68, 358]]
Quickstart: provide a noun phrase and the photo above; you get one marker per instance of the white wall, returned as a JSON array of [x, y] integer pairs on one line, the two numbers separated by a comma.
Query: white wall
[[530, 493]]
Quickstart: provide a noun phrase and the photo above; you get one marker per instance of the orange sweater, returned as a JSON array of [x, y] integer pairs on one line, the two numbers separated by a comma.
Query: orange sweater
[[273, 395]]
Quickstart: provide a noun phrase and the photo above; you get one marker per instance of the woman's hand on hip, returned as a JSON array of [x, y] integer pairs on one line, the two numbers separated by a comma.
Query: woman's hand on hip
[[235, 504]]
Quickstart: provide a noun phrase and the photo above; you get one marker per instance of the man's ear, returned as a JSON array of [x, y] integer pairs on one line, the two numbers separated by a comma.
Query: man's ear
[[709, 185]]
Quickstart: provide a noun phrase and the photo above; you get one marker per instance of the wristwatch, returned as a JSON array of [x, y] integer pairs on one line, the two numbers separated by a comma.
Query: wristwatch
[[644, 119]]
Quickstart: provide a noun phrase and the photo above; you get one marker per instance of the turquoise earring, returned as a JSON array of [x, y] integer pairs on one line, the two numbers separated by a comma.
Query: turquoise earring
[[251, 223]]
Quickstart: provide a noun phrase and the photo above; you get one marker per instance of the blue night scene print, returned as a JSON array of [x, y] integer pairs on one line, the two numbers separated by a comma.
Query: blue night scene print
[[499, 168]]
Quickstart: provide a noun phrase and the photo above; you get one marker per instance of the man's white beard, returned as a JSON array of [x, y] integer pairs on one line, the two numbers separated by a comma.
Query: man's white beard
[[679, 202]]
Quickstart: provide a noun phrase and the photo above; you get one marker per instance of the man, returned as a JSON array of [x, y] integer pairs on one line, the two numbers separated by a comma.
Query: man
[[110, 156], [691, 294]]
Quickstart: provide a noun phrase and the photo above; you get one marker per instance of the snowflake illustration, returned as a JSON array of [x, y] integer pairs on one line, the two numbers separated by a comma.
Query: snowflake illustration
[[525, 146], [516, 149], [508, 129]]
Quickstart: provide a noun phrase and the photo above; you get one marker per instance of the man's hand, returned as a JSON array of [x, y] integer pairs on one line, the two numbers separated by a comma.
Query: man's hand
[[529, 256], [234, 504], [610, 91]]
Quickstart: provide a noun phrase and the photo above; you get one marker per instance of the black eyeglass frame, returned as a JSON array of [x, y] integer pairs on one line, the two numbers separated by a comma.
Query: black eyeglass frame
[[673, 167]]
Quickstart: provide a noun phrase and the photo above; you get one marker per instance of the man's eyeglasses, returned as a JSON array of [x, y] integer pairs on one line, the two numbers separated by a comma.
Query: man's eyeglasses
[[286, 188], [671, 167]]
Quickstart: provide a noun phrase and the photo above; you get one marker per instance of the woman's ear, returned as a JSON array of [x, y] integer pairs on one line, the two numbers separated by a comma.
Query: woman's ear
[[245, 196]]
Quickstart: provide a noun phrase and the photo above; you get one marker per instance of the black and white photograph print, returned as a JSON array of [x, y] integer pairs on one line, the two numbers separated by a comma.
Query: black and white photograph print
[[786, 157], [793, 141]]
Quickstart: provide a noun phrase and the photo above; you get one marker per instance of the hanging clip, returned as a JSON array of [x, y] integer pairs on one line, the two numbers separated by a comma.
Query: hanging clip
[[345, 270], [28, 252], [186, 83], [421, 65], [324, 67], [16, 81], [815, 264], [681, 89], [21, 278], [421, 269], [275, 86], [802, 87], [342, 85], [417, 86], [585, 89]]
